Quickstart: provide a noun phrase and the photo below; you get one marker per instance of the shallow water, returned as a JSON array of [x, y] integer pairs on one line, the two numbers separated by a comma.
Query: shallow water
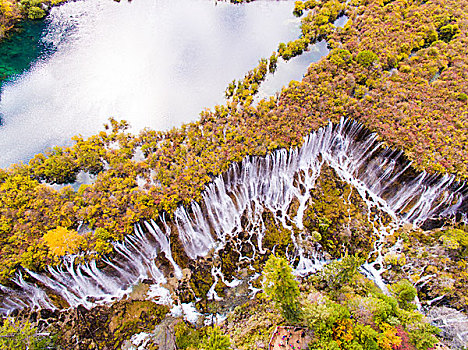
[[153, 63], [22, 47], [341, 21], [294, 69]]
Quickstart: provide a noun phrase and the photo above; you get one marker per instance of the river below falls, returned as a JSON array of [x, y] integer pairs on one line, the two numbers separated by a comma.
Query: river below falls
[[154, 63]]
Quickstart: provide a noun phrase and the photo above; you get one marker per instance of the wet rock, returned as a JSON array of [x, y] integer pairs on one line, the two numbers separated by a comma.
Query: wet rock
[[162, 338], [45, 314], [139, 291], [103, 327], [453, 325], [180, 288]]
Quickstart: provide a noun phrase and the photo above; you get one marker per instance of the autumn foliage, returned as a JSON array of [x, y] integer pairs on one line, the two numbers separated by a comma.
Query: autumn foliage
[[61, 241]]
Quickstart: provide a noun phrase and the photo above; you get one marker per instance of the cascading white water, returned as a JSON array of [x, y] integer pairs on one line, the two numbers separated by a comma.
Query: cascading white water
[[270, 182], [234, 203], [87, 284], [28, 295], [135, 61]]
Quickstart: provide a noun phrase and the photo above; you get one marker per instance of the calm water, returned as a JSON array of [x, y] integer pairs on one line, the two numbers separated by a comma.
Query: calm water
[[20, 49], [155, 63], [294, 69]]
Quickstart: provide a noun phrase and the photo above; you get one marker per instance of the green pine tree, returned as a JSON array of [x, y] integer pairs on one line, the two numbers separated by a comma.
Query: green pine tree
[[281, 287]]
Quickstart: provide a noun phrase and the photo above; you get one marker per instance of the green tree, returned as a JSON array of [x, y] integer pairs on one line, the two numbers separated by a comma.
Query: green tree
[[448, 31], [57, 166], [323, 318], [462, 97], [340, 57], [17, 336], [215, 340], [456, 240], [405, 293], [186, 337], [339, 272], [299, 7], [273, 63], [423, 336], [35, 12], [281, 287], [366, 58], [33, 8]]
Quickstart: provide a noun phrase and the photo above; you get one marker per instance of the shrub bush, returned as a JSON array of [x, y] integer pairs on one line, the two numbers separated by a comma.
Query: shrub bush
[[366, 58]]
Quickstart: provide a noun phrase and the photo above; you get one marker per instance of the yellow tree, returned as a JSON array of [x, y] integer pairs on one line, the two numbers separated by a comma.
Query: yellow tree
[[61, 241]]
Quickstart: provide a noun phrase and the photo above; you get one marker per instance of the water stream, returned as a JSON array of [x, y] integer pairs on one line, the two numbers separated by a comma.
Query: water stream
[[235, 201]]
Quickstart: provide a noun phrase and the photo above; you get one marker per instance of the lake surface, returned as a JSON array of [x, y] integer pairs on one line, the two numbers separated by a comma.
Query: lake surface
[[154, 63], [294, 69], [22, 47]]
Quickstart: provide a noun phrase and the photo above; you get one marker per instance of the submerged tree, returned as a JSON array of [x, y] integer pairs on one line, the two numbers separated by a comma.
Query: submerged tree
[[281, 287]]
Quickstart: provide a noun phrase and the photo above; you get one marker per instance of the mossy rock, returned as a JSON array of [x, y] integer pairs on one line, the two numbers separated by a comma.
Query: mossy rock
[[276, 236], [201, 279], [339, 215], [134, 317], [229, 260], [106, 327], [177, 248]]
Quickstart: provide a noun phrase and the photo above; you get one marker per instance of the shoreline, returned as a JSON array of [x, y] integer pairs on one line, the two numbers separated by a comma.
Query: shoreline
[[13, 12]]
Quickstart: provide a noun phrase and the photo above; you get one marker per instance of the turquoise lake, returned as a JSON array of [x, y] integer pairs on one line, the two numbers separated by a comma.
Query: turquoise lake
[[21, 48]]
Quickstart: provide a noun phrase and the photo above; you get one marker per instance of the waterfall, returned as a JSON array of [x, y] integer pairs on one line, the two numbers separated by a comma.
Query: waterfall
[[87, 284], [235, 201]]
